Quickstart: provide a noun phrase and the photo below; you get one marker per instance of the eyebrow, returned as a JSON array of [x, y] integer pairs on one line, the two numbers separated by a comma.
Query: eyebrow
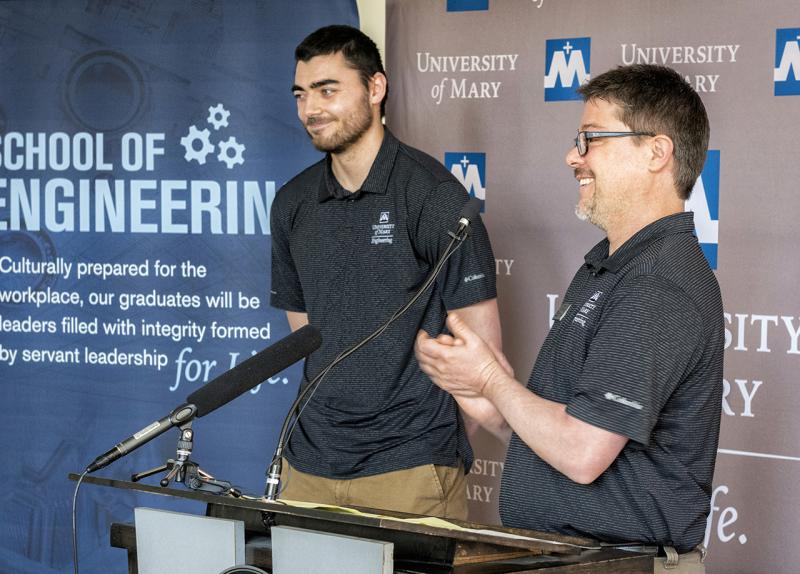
[[590, 126], [314, 85]]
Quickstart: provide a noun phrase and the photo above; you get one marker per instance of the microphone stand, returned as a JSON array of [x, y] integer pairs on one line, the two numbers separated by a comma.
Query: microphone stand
[[274, 472], [182, 469]]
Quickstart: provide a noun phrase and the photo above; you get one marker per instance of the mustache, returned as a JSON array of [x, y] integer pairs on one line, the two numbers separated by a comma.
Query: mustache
[[317, 119], [581, 173]]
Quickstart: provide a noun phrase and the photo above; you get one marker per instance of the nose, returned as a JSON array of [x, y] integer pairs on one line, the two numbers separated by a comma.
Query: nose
[[573, 159], [308, 107]]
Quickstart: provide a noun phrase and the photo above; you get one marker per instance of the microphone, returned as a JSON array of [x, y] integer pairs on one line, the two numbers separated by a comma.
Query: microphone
[[179, 416], [222, 390], [255, 370], [468, 214]]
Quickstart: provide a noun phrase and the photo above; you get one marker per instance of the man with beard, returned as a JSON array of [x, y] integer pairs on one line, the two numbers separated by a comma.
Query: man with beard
[[615, 435], [353, 237]]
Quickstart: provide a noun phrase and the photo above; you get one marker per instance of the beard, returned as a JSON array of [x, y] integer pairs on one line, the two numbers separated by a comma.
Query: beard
[[592, 212], [593, 208], [352, 127], [589, 211], [585, 208], [580, 213], [604, 209]]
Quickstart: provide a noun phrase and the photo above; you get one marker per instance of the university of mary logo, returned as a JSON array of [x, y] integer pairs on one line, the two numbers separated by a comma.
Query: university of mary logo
[[467, 5], [704, 202], [787, 62], [470, 170], [566, 64], [383, 230]]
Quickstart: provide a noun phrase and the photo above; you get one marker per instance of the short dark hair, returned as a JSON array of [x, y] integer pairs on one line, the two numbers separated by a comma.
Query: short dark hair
[[657, 99], [358, 49]]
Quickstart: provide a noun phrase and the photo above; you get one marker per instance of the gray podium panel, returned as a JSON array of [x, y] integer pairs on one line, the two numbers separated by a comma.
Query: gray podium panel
[[298, 551], [175, 542]]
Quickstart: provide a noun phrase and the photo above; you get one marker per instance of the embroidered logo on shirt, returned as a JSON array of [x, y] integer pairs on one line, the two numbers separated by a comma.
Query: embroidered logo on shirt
[[383, 231], [623, 401], [582, 316], [473, 277]]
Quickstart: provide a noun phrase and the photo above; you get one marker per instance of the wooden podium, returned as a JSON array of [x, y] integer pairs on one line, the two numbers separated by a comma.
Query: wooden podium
[[418, 548]]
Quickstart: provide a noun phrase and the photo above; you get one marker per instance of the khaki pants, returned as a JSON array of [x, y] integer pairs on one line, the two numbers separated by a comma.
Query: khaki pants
[[428, 489]]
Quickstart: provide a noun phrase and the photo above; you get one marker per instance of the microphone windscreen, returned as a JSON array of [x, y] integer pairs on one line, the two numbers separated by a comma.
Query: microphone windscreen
[[470, 209], [256, 370]]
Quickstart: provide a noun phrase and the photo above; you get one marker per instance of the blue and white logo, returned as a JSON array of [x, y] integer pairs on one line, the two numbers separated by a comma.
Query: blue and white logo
[[470, 170], [566, 64], [704, 202], [787, 62], [467, 5]]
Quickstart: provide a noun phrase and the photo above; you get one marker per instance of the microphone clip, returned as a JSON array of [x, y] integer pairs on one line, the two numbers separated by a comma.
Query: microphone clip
[[461, 233], [184, 470]]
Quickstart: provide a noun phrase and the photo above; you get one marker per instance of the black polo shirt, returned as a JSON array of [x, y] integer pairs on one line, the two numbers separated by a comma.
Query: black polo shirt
[[350, 260], [636, 349]]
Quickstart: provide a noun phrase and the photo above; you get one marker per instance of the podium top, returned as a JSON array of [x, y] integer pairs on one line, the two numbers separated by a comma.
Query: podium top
[[532, 541]]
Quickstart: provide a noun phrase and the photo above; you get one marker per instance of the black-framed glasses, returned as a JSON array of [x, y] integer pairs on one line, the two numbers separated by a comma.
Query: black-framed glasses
[[583, 139]]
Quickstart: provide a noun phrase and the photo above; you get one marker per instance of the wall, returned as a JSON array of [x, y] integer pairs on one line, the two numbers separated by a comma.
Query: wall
[[476, 84]]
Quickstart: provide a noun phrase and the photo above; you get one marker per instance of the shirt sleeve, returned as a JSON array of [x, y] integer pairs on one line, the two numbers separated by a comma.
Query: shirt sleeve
[[286, 292], [645, 344], [469, 275]]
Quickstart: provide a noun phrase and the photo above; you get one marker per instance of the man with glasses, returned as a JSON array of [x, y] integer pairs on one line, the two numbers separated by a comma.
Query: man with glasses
[[615, 435]]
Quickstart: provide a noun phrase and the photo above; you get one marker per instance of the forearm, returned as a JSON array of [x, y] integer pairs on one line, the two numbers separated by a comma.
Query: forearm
[[465, 366], [479, 412], [576, 449], [484, 319]]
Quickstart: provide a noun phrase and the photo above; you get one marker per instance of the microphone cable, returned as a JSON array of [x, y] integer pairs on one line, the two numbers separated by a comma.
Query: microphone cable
[[75, 523]]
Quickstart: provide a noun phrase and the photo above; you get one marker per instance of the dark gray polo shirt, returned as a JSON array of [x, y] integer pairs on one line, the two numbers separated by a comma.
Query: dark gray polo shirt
[[350, 261], [638, 352]]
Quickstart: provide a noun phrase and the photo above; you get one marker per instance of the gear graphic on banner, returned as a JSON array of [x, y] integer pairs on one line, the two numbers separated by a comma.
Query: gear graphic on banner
[[197, 136], [198, 144], [225, 148], [218, 116]]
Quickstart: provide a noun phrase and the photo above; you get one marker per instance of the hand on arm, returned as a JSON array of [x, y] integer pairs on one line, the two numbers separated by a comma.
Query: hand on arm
[[465, 366], [483, 318], [455, 366]]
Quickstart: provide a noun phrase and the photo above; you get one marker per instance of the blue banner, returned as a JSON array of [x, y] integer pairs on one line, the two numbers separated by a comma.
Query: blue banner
[[141, 145]]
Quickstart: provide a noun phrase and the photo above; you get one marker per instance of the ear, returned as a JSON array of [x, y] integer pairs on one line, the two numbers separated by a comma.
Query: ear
[[661, 148], [377, 88]]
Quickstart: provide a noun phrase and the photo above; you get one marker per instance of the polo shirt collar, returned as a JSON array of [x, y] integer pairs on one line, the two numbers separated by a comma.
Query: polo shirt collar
[[598, 260], [377, 179]]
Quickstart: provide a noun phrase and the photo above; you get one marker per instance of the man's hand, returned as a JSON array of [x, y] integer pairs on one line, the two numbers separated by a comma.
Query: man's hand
[[461, 364], [464, 365]]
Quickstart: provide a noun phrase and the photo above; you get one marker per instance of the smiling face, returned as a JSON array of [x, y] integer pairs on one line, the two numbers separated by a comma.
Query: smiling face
[[611, 174], [332, 102]]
